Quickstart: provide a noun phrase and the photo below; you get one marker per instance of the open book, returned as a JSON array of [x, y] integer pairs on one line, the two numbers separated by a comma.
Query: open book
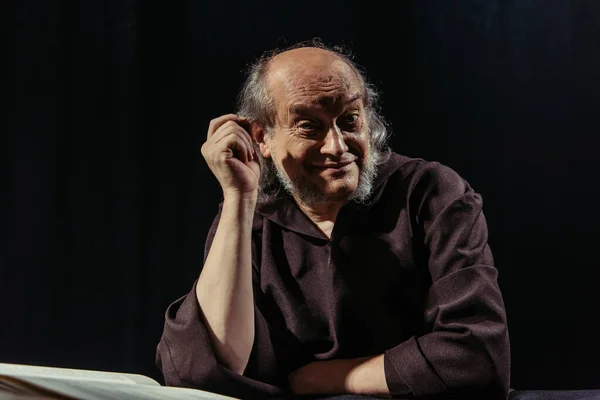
[[33, 382]]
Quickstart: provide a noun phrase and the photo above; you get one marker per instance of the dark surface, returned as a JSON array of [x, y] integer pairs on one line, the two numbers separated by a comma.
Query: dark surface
[[555, 395], [106, 201], [515, 395]]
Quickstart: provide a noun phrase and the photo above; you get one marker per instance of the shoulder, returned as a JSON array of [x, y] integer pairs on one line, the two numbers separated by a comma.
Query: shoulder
[[422, 177], [427, 188]]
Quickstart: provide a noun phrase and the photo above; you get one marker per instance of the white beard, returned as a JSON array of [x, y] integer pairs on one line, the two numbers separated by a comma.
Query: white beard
[[309, 194]]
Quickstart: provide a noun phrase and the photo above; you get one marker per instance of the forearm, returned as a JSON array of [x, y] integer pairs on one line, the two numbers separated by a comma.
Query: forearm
[[224, 288], [364, 376], [367, 377]]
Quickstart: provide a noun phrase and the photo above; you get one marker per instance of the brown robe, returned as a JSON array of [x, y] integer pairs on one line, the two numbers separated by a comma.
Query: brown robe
[[409, 274]]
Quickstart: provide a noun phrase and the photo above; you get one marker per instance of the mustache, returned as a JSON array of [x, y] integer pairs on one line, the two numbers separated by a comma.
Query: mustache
[[340, 162], [346, 158]]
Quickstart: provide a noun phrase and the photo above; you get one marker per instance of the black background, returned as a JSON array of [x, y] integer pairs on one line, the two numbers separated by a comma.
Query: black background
[[106, 199]]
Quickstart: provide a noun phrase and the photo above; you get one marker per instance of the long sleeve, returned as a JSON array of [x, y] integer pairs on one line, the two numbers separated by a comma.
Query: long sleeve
[[186, 357], [466, 344]]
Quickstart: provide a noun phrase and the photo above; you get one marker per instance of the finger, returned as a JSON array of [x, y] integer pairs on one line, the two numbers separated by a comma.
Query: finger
[[237, 145], [216, 123], [237, 140], [247, 125], [231, 126], [248, 142]]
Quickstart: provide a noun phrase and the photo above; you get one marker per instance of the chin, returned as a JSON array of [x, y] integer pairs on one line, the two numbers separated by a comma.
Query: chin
[[317, 188], [339, 191]]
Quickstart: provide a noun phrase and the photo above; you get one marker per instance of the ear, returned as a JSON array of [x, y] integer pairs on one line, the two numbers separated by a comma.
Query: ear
[[258, 134]]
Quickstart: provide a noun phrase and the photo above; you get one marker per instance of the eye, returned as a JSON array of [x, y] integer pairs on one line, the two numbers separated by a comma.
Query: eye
[[350, 119], [307, 126]]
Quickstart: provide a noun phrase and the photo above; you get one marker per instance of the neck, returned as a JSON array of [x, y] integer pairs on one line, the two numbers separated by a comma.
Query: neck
[[323, 215]]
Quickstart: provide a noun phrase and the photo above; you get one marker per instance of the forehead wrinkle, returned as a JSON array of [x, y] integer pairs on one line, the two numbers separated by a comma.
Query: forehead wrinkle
[[328, 73], [323, 102], [316, 85], [327, 100]]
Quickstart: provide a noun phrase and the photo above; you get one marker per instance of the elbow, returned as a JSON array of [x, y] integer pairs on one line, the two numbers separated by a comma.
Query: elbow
[[233, 361], [488, 380], [482, 376], [488, 367], [486, 351], [234, 355], [496, 347], [238, 368], [186, 368], [479, 377], [475, 361]]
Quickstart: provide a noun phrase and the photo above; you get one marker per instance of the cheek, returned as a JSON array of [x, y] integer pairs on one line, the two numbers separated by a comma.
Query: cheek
[[359, 145], [301, 150], [295, 156]]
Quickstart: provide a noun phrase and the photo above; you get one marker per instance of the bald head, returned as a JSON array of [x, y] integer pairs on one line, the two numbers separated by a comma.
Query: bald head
[[311, 57], [296, 69]]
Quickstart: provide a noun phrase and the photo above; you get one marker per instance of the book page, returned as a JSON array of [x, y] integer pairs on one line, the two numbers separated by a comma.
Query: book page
[[26, 371], [22, 389], [99, 390]]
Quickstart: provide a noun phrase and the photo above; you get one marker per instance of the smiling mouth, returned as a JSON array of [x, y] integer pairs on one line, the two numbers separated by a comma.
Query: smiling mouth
[[335, 166]]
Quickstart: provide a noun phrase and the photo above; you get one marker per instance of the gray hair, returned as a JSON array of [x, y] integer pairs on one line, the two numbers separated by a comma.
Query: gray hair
[[255, 103]]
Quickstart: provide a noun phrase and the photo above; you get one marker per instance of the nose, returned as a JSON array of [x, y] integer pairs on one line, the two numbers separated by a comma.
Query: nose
[[334, 144]]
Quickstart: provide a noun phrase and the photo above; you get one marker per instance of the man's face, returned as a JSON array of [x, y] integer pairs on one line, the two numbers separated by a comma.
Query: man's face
[[320, 140]]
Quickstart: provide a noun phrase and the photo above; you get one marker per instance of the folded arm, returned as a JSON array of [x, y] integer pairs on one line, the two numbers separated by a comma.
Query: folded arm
[[467, 342]]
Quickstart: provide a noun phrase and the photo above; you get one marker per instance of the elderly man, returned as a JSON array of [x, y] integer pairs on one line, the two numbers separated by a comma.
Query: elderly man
[[334, 265]]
